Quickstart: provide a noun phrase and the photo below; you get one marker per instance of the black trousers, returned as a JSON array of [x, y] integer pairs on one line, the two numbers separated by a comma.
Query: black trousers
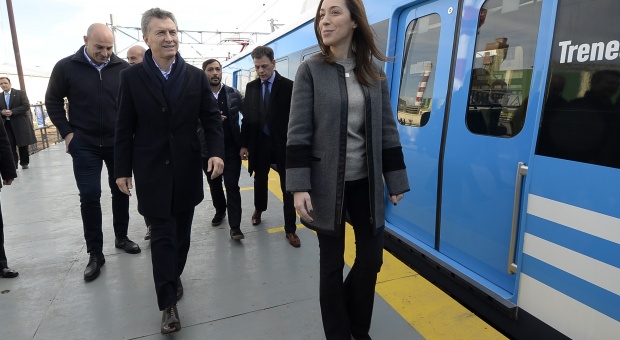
[[346, 308], [24, 152], [88, 163], [3, 261], [170, 238], [232, 172], [266, 156]]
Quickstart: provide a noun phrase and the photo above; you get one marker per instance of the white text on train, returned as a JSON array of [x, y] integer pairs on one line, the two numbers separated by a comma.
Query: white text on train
[[588, 52]]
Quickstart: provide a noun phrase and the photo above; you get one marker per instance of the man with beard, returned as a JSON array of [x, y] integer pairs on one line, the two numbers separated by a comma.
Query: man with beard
[[160, 102], [229, 101]]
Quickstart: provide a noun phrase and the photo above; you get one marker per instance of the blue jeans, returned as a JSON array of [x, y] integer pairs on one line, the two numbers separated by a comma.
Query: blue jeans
[[87, 165]]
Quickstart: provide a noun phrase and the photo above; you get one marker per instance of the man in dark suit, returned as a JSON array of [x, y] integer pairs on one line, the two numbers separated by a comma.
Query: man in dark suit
[[89, 79], [229, 101], [7, 171], [17, 121], [161, 100], [266, 109]]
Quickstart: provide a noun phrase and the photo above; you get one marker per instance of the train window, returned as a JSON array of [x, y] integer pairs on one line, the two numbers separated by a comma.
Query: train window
[[581, 113], [502, 67], [282, 67], [243, 78], [310, 52], [417, 78]]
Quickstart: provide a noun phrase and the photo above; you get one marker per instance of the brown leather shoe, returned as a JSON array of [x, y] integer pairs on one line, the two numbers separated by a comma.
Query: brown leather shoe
[[170, 321], [293, 239], [256, 217]]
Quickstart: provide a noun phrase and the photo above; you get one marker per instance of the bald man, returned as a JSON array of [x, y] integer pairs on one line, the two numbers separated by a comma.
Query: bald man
[[135, 54], [89, 80]]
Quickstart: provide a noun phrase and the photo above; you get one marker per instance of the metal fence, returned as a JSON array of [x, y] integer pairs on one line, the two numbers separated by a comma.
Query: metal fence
[[45, 132]]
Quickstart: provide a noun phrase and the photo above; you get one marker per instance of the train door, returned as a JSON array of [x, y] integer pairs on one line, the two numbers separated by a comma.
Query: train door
[[420, 76], [572, 231], [489, 137]]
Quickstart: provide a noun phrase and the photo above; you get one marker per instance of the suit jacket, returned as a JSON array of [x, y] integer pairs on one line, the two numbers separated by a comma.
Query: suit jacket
[[21, 119], [7, 164], [277, 114], [159, 143]]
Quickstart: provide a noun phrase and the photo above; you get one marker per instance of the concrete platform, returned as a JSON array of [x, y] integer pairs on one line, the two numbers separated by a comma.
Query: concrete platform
[[258, 288]]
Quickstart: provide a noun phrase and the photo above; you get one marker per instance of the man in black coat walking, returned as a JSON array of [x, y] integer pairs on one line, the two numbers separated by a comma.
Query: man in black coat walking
[[89, 80], [161, 100], [7, 171], [229, 102], [266, 109]]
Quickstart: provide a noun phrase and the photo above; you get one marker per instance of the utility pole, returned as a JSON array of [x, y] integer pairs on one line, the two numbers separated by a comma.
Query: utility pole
[[113, 31], [274, 26], [18, 59]]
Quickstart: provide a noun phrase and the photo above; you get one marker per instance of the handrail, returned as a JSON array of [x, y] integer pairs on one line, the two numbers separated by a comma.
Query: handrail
[[521, 172]]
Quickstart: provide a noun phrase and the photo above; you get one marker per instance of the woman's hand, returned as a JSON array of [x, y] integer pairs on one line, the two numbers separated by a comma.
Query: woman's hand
[[303, 204], [395, 198]]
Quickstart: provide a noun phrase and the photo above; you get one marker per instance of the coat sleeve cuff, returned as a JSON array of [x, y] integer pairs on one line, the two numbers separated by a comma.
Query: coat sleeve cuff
[[396, 181], [298, 179]]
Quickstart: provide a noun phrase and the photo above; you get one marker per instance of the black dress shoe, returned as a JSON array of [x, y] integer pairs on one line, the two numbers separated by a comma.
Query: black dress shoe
[[218, 218], [8, 273], [179, 289], [127, 245], [236, 234], [170, 321], [95, 262], [148, 233]]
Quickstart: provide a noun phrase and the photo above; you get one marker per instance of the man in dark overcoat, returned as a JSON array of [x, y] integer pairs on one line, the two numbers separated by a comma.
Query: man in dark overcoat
[[266, 109], [160, 102], [7, 171], [17, 122]]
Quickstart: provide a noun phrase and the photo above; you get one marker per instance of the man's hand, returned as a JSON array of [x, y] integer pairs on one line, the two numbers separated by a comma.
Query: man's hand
[[7, 181], [124, 185], [303, 204], [243, 153], [68, 139], [223, 116], [395, 198], [7, 113], [215, 167]]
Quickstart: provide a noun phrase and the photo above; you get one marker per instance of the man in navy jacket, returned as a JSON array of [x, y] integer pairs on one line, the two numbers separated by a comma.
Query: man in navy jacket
[[89, 80]]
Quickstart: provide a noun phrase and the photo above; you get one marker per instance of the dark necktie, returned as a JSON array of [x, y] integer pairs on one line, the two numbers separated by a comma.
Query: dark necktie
[[265, 105]]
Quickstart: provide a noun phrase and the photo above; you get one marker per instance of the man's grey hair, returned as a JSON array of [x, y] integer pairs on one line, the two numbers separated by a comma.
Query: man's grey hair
[[155, 13], [262, 51]]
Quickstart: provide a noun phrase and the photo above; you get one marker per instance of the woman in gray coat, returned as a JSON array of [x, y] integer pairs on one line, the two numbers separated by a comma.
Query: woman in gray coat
[[342, 147]]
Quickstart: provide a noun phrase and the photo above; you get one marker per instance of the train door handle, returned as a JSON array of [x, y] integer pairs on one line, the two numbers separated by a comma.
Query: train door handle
[[521, 172]]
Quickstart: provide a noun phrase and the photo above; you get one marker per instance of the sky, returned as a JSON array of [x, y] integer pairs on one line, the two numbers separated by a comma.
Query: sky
[[49, 30]]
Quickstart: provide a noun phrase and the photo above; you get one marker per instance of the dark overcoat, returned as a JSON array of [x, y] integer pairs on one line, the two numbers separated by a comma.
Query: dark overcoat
[[7, 164], [21, 119], [159, 144], [317, 144], [277, 115]]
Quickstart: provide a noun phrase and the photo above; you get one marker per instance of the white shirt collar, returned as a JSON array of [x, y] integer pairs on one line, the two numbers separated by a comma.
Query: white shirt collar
[[164, 73], [216, 94]]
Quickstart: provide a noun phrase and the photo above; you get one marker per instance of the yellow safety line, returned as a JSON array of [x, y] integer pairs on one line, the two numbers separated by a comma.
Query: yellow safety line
[[433, 313]]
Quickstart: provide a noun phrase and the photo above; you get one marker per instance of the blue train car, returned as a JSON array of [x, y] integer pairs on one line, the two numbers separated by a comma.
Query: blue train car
[[509, 118]]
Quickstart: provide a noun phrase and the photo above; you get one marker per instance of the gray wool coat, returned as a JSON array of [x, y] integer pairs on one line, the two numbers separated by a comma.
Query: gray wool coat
[[317, 138]]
